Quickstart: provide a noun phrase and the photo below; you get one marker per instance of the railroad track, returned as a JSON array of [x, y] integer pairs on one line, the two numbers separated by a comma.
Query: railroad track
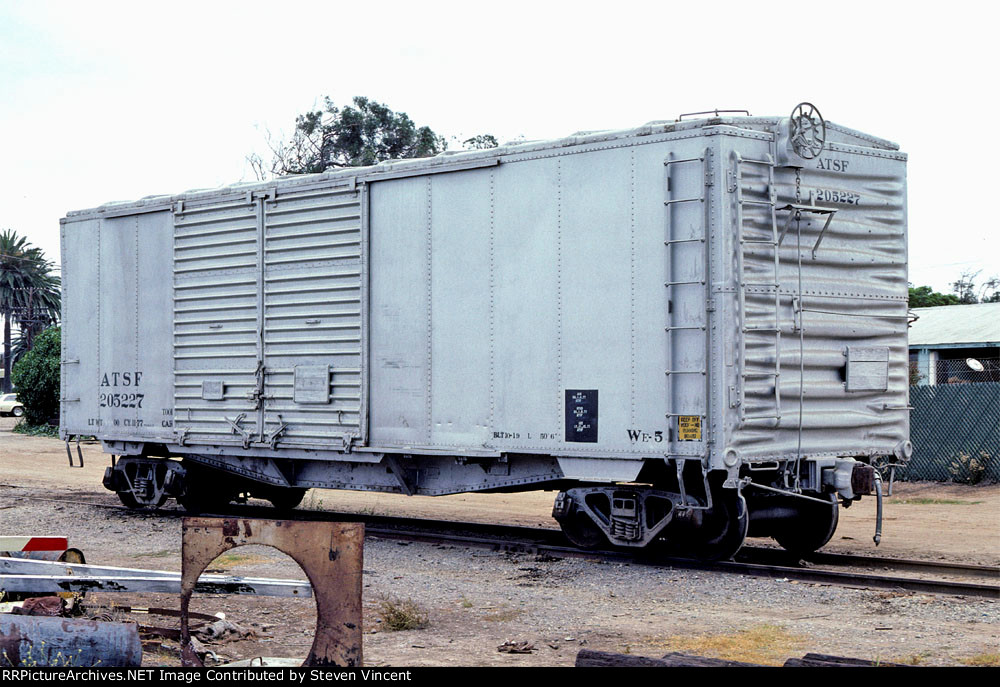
[[820, 568]]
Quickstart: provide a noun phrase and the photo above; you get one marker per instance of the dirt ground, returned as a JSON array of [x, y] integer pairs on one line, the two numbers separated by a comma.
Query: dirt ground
[[926, 520], [475, 600]]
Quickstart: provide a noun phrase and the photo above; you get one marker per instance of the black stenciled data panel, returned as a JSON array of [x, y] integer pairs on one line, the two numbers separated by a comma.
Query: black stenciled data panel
[[581, 415]]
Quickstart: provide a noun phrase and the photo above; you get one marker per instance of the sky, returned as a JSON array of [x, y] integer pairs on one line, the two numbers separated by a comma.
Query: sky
[[103, 101]]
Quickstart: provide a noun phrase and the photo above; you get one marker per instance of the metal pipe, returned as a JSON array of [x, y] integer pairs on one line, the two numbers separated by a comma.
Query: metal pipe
[[38, 641], [790, 493], [802, 330], [878, 514], [56, 584]]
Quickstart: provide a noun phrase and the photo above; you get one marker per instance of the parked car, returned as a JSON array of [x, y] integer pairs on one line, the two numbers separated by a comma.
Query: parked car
[[9, 405]]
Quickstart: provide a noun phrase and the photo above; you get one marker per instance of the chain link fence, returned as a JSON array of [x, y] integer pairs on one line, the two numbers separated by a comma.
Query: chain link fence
[[958, 371], [955, 423]]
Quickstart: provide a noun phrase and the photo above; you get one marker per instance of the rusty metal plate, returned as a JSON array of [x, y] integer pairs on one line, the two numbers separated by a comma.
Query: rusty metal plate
[[330, 554]]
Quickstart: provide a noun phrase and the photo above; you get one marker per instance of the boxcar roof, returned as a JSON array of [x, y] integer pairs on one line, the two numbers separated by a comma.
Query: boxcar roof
[[450, 159]]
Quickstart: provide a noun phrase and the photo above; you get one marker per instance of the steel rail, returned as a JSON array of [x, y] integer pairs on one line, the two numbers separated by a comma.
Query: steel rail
[[540, 540], [861, 561], [849, 579]]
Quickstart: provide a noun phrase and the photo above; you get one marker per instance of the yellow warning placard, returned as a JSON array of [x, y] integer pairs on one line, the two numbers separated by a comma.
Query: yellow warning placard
[[689, 428]]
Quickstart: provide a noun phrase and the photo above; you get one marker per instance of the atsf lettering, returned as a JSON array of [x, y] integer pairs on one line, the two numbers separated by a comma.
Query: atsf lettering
[[121, 378], [832, 165]]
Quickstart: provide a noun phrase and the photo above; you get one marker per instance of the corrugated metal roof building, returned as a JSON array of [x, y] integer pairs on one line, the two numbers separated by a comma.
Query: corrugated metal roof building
[[948, 344]]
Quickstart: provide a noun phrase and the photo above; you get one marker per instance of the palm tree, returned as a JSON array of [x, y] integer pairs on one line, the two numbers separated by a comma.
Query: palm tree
[[29, 293]]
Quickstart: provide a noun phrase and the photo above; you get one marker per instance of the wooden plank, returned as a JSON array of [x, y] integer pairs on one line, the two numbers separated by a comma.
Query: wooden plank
[[827, 661], [587, 658]]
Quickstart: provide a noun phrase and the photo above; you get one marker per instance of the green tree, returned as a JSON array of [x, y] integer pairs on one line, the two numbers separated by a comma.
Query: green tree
[[926, 297], [364, 133], [36, 376], [989, 292], [965, 287], [29, 294], [966, 291], [480, 142]]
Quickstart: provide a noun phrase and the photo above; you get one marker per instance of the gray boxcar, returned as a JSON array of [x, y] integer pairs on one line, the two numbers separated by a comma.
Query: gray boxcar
[[689, 328]]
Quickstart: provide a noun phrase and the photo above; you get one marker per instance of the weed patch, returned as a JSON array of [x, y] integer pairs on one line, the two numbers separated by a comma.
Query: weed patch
[[399, 615], [766, 644], [231, 560], [502, 615], [987, 659], [36, 430]]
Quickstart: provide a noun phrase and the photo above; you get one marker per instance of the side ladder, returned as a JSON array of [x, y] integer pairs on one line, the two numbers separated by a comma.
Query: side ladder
[[767, 322], [675, 242]]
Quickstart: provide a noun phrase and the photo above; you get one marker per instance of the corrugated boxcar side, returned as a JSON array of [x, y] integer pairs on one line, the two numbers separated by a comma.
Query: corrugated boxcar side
[[853, 295], [215, 311], [270, 355]]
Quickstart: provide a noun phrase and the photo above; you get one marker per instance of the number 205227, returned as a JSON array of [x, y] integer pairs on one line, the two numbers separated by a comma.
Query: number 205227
[[843, 197], [121, 400]]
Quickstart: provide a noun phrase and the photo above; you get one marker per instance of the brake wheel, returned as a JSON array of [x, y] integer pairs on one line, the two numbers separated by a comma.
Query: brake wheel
[[808, 135]]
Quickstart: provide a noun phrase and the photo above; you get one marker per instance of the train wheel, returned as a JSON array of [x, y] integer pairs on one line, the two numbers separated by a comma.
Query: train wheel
[[192, 502], [129, 500], [582, 531], [723, 528], [812, 529], [287, 498], [198, 499]]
